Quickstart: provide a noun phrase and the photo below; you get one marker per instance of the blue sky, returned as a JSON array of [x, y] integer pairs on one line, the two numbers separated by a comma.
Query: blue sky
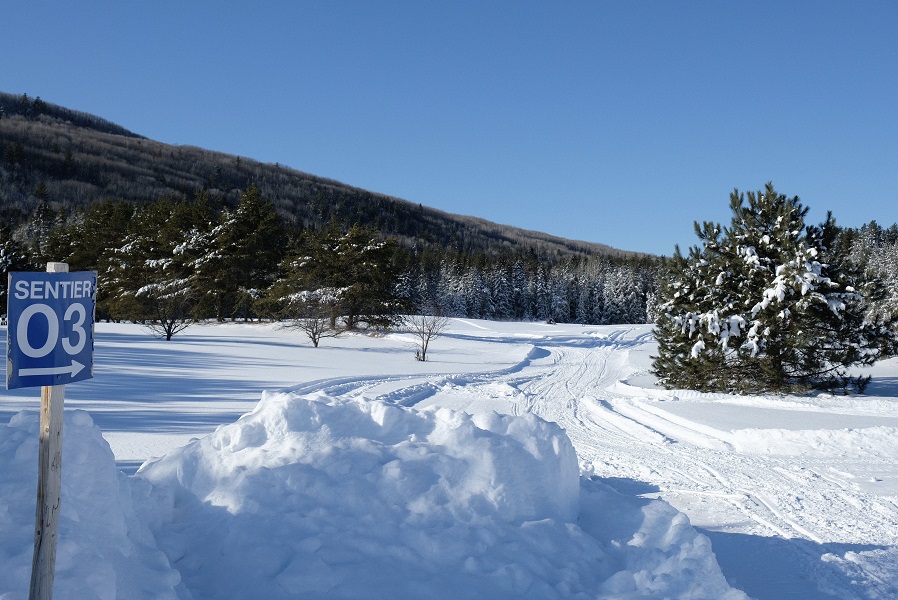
[[612, 122]]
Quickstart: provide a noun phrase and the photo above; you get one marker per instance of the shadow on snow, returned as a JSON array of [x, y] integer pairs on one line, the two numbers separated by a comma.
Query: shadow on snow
[[772, 568]]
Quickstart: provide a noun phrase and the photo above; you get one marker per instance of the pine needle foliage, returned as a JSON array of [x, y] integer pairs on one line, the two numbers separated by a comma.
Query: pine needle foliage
[[764, 305]]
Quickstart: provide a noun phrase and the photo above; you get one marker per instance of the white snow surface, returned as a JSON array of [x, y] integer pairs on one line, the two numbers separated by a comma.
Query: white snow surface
[[522, 460]]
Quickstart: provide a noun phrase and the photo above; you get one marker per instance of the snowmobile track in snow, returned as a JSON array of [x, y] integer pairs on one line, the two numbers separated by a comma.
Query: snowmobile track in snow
[[622, 435]]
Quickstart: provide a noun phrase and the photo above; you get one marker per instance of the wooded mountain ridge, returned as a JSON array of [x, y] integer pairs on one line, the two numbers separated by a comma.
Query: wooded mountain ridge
[[70, 159]]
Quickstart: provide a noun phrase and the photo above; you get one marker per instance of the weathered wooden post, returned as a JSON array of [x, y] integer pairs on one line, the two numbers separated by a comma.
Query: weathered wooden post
[[49, 482]]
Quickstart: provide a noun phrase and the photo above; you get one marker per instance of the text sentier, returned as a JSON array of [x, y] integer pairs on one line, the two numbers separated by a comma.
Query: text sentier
[[47, 290]]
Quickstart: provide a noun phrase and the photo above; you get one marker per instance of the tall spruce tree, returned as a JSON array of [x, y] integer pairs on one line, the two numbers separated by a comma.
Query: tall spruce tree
[[244, 250], [351, 274], [150, 278], [763, 305]]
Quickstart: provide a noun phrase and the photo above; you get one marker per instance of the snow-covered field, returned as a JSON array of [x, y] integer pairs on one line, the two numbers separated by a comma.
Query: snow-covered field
[[358, 472]]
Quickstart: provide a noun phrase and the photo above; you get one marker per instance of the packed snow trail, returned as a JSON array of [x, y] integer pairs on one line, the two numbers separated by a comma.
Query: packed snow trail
[[838, 540]]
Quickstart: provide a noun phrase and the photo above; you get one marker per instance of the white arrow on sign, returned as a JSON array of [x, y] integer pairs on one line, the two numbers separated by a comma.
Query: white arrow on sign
[[73, 369]]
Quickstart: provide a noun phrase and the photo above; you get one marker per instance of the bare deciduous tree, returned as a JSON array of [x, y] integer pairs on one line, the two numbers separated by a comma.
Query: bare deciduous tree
[[315, 328], [315, 314], [168, 309], [425, 327]]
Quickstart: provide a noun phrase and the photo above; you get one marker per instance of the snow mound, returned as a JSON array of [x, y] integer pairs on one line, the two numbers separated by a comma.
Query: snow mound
[[104, 551], [314, 496]]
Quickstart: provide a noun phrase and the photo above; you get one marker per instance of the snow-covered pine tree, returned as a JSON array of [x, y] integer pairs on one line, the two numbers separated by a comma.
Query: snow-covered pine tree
[[451, 290], [875, 250], [12, 258], [561, 284], [542, 296], [353, 270], [624, 302], [684, 360], [501, 293], [150, 277], [522, 303], [586, 303], [758, 308]]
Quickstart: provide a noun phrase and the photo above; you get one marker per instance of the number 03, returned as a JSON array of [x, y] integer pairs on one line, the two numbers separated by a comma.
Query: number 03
[[75, 313]]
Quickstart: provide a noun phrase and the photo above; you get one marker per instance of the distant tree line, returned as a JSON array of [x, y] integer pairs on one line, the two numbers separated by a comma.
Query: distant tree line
[[181, 259], [34, 108], [177, 260], [587, 290]]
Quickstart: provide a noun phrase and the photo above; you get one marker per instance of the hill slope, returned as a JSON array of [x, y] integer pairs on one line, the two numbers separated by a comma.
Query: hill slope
[[50, 154]]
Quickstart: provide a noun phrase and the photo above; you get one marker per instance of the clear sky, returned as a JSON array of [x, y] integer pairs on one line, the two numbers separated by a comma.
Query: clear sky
[[614, 122]]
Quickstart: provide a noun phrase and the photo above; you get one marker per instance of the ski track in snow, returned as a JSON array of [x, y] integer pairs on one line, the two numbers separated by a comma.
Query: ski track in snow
[[841, 538]]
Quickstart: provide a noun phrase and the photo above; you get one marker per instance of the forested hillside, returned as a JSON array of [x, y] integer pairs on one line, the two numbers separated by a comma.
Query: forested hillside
[[66, 159]]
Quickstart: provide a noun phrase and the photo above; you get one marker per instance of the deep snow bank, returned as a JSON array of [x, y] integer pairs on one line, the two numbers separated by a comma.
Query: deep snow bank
[[316, 497], [104, 551], [322, 497]]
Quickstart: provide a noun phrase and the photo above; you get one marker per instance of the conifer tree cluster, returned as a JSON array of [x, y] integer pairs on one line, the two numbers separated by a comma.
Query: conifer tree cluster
[[766, 304], [593, 290], [12, 258], [874, 249], [171, 262], [331, 274], [174, 261]]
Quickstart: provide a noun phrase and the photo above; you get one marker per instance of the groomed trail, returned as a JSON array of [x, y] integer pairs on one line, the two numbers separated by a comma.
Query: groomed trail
[[803, 523]]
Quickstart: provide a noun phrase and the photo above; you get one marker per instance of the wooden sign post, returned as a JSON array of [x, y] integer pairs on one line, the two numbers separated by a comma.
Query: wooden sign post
[[49, 482]]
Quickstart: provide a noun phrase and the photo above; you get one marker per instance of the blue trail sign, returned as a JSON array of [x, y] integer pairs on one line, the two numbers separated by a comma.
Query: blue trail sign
[[50, 337]]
